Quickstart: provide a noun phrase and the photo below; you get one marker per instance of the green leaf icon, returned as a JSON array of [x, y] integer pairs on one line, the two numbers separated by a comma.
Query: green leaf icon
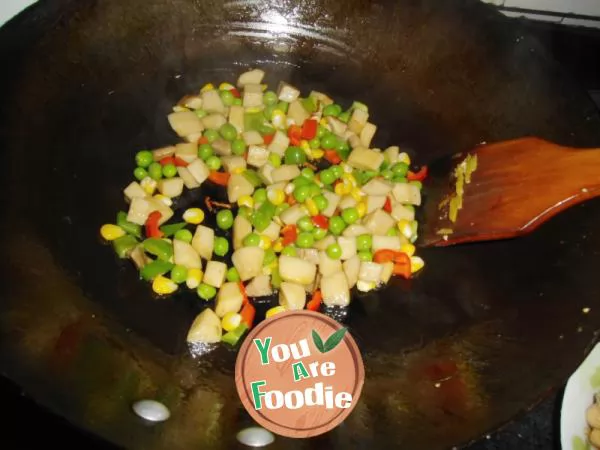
[[331, 342], [318, 341]]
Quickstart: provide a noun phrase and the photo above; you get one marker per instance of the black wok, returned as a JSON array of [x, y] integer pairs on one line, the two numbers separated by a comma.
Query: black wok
[[484, 333]]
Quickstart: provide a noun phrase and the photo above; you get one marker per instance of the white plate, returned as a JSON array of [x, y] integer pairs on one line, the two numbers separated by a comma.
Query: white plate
[[579, 394], [10, 8]]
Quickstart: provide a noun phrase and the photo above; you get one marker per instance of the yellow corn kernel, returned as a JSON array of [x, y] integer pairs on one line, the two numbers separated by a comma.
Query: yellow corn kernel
[[148, 185], [323, 122], [226, 87], [317, 153], [311, 207], [111, 232], [278, 119], [164, 199], [416, 264], [365, 286], [246, 200], [265, 242], [268, 269], [274, 310], [409, 249], [194, 277], [276, 196], [404, 158], [343, 188], [346, 167], [163, 286], [231, 321], [278, 246], [254, 109], [348, 177], [405, 228], [179, 108], [264, 87], [356, 194], [361, 207], [207, 87], [238, 170], [194, 216]]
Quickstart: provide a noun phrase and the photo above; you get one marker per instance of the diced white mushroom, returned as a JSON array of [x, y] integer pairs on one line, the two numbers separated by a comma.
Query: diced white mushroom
[[237, 186], [309, 254], [297, 113], [187, 152], [347, 201], [191, 102], [252, 137], [279, 143], [355, 230], [163, 152], [377, 186], [407, 193], [375, 202], [292, 296], [337, 126], [367, 134], [379, 222], [241, 228], [324, 99], [188, 179], [253, 96], [170, 187], [327, 265], [357, 121], [140, 208], [222, 147], [324, 243], [365, 159], [236, 117], [214, 121], [335, 290], [351, 269], [134, 190], [296, 270], [291, 215], [333, 200], [206, 328], [211, 102], [260, 286], [391, 154], [185, 255], [199, 170], [233, 163], [285, 172], [185, 123], [287, 92], [254, 76], [272, 231], [214, 274], [386, 243], [370, 272], [203, 241], [248, 261], [348, 245], [257, 156], [266, 174], [386, 272], [229, 299], [401, 212]]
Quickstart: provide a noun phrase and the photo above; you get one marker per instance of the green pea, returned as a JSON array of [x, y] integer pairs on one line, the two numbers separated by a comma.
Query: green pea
[[336, 225], [205, 151], [319, 233], [283, 106], [342, 146], [416, 183], [281, 208], [321, 131], [169, 170], [226, 97], [274, 160], [384, 165], [344, 117], [387, 174], [350, 215], [260, 196], [295, 155], [184, 235], [225, 219], [289, 250], [144, 158], [213, 163], [315, 190], [155, 171], [365, 255], [327, 176], [399, 179], [400, 169], [307, 173], [179, 274], [246, 212], [268, 111], [337, 171], [392, 232], [232, 275], [221, 246], [270, 98], [334, 251], [238, 147], [228, 132], [314, 143], [270, 257], [329, 141], [251, 240], [332, 110], [321, 202], [301, 181], [265, 129], [237, 101], [305, 240], [140, 173], [305, 223], [302, 193], [211, 135], [364, 242], [206, 291], [201, 113]]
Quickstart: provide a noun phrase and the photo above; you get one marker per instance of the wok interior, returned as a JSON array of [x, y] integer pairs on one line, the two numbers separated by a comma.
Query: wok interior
[[500, 323]]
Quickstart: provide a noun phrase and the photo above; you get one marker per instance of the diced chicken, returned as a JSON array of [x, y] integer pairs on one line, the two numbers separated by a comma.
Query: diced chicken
[[401, 212], [237, 186], [386, 243], [188, 179], [188, 151], [348, 245], [214, 274], [367, 134], [279, 143], [379, 222], [241, 228], [365, 159], [185, 255], [257, 156], [248, 261], [199, 170], [407, 193], [377, 186], [236, 117], [203, 241], [287, 92], [170, 187], [259, 287], [185, 123], [296, 270], [370, 272], [375, 202], [291, 215], [391, 154], [327, 265], [214, 121], [134, 190], [357, 121], [254, 76], [297, 113], [229, 299], [335, 290], [222, 147], [252, 137], [253, 96], [292, 296], [333, 200], [351, 269], [206, 328], [285, 172], [233, 163]]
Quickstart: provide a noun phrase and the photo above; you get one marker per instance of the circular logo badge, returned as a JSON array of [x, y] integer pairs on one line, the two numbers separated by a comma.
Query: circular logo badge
[[299, 374]]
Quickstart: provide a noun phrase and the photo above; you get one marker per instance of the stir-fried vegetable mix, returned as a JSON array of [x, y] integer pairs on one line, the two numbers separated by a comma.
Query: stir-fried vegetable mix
[[313, 211]]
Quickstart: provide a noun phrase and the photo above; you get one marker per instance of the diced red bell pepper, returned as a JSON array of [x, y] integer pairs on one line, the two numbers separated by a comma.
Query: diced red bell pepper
[[418, 176], [245, 300], [290, 200], [332, 156], [175, 160], [387, 206], [401, 261], [315, 302], [290, 234], [220, 178], [268, 138], [320, 221], [248, 312], [203, 140], [309, 129], [235, 92], [295, 134], [152, 229]]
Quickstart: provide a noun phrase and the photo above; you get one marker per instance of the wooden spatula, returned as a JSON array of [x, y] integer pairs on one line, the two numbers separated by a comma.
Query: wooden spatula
[[516, 186]]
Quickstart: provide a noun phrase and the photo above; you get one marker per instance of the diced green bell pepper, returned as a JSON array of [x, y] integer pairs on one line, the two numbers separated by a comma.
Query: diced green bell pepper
[[234, 336], [124, 245], [151, 270], [129, 227], [253, 121], [252, 177], [171, 229], [159, 248]]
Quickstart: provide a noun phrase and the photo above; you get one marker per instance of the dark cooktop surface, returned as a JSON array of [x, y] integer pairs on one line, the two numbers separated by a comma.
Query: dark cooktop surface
[[26, 425]]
